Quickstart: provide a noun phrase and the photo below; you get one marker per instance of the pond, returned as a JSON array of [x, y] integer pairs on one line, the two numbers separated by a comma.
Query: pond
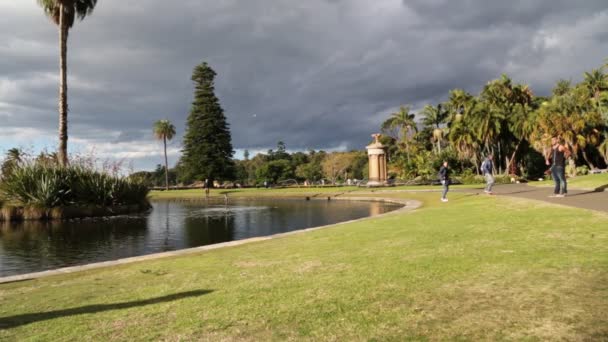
[[37, 246]]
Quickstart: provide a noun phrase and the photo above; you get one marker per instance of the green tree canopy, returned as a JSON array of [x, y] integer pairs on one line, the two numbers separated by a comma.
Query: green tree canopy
[[207, 147]]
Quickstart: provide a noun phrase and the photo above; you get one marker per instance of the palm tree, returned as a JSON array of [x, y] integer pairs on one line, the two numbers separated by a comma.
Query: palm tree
[[404, 122], [574, 118], [14, 157], [164, 130], [465, 141], [521, 121], [596, 81], [460, 102], [63, 13], [603, 148], [434, 117], [562, 87]]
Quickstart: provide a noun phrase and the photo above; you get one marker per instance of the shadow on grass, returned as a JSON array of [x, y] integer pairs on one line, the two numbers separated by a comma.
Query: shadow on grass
[[601, 188], [19, 320], [594, 191]]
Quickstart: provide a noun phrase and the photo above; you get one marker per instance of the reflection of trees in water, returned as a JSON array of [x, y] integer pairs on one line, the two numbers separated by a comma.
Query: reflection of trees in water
[[208, 230], [48, 244], [166, 244], [34, 245]]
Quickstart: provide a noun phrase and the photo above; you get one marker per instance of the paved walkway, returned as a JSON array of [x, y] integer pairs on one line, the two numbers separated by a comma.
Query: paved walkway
[[587, 199]]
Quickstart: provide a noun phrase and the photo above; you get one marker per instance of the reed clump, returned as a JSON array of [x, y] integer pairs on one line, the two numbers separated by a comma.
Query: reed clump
[[37, 190]]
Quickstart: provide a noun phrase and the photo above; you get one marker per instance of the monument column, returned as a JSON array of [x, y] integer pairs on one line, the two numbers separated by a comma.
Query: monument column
[[377, 163]]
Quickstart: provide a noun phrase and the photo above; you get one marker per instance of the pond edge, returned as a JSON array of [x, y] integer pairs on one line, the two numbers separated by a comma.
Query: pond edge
[[408, 205]]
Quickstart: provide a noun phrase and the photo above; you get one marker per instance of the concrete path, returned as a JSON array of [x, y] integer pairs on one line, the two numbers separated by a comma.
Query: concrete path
[[586, 199]]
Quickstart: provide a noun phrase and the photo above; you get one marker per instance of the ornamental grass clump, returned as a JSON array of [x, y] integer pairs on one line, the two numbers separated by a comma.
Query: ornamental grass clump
[[48, 185]]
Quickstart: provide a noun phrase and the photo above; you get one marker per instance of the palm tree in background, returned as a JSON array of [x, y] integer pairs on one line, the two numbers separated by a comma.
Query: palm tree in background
[[562, 87], [574, 118], [13, 158], [434, 117], [164, 130], [404, 122], [462, 134], [459, 103], [603, 148], [64, 13], [596, 81]]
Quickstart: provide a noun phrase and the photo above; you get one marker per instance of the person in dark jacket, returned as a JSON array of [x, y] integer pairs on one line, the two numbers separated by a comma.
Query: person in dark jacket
[[444, 177], [559, 153], [486, 169]]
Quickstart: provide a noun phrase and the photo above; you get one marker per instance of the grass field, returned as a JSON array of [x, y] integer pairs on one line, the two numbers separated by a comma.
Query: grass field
[[588, 182], [295, 191], [475, 268]]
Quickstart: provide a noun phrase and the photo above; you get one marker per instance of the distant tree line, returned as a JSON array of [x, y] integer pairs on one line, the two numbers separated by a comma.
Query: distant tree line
[[505, 119], [277, 167]]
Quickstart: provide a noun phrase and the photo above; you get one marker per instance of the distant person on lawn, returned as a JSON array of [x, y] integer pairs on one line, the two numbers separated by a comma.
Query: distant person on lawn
[[444, 177], [206, 186], [486, 168], [557, 161]]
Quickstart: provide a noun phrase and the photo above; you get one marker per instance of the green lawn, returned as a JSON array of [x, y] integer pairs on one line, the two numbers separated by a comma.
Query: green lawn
[[588, 182], [295, 191], [475, 268]]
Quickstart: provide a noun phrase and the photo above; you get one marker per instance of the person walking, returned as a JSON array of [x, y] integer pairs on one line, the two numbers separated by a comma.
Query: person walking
[[206, 186], [557, 161], [444, 177], [486, 168]]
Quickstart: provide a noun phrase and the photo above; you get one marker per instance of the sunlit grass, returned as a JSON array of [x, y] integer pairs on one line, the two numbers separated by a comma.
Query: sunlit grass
[[475, 268], [588, 182], [295, 191]]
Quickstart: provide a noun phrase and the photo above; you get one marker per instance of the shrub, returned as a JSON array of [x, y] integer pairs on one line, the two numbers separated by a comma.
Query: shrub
[[582, 170], [49, 185], [468, 177]]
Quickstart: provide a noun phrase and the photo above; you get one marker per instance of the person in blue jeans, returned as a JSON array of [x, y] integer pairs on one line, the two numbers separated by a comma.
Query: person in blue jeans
[[557, 161], [486, 169], [444, 177]]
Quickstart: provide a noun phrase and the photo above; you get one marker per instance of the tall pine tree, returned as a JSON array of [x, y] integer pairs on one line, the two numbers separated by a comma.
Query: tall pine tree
[[207, 149]]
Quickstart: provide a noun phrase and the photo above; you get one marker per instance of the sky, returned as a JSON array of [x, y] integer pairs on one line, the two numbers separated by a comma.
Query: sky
[[315, 74]]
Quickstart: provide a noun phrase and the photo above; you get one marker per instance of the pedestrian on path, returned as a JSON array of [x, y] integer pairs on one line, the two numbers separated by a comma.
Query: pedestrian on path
[[486, 168], [557, 161], [444, 177]]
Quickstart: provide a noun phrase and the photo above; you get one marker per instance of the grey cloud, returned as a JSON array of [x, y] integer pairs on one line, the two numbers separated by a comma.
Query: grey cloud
[[481, 14], [313, 74]]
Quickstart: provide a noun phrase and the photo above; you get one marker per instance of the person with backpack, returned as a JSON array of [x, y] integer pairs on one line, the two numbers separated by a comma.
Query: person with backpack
[[486, 170], [444, 177]]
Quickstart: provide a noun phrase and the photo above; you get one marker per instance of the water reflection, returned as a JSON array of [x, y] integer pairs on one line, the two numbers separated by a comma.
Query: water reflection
[[36, 246]]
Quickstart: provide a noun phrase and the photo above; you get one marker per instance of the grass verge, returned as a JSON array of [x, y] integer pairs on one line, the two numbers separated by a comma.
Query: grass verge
[[588, 182], [297, 192], [477, 267]]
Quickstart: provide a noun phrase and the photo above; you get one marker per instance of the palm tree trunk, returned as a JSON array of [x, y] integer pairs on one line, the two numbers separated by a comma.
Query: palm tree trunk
[[63, 89], [591, 166], [166, 165], [511, 160], [499, 159]]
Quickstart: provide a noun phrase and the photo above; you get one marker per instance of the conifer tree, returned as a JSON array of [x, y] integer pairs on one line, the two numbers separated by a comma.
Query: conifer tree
[[207, 148]]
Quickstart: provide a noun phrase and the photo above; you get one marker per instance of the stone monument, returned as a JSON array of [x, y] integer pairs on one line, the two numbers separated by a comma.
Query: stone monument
[[377, 163]]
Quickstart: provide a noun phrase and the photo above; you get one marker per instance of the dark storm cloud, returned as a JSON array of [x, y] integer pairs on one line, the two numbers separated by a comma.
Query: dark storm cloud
[[314, 74], [481, 15]]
